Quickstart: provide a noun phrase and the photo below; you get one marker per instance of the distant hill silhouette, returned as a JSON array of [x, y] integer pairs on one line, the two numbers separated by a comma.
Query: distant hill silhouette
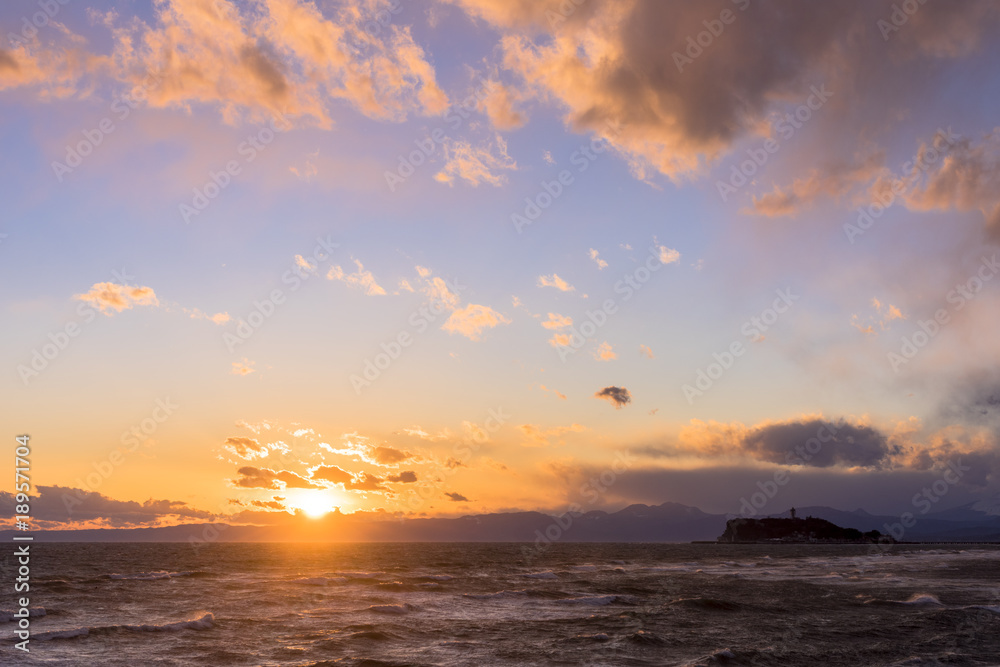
[[669, 522], [810, 529]]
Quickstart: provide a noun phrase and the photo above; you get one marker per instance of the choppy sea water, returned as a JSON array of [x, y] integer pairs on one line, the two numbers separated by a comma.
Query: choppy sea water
[[503, 604]]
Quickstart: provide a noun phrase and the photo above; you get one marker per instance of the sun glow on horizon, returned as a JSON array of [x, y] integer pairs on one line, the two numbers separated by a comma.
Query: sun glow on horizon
[[314, 504]]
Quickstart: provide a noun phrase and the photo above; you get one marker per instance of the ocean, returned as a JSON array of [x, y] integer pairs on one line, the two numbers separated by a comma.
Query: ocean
[[509, 604]]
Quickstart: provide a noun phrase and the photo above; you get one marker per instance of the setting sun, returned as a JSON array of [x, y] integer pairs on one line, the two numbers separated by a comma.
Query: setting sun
[[313, 503]]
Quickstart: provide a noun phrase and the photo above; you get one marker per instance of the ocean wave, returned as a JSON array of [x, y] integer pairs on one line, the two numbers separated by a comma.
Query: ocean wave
[[392, 608], [922, 599], [598, 601], [204, 622], [152, 576], [7, 615], [494, 596], [63, 634], [708, 604], [311, 581], [724, 657], [548, 574], [994, 608]]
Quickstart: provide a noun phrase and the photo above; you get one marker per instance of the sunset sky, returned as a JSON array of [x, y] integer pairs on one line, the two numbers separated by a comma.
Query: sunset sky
[[461, 256]]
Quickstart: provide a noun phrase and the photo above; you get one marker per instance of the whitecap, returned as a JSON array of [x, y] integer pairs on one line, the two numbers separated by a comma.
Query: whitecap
[[922, 599]]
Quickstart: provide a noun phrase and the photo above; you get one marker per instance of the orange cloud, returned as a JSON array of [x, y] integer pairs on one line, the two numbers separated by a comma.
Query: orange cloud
[[244, 367], [114, 297], [362, 279], [555, 281], [605, 352], [557, 321], [472, 320], [601, 264], [475, 165], [267, 59], [498, 105], [535, 436]]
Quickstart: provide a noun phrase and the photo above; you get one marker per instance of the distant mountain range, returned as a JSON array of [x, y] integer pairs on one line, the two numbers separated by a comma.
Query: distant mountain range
[[669, 522]]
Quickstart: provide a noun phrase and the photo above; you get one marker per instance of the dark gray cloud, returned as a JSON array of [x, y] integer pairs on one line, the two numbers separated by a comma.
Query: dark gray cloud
[[61, 504], [819, 443], [617, 396], [456, 497]]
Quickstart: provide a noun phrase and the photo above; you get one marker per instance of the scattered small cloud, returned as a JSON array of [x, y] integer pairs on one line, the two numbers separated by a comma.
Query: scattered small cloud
[[617, 396], [108, 297], [243, 367], [555, 281], [475, 165], [473, 319], [362, 279], [601, 264], [605, 352]]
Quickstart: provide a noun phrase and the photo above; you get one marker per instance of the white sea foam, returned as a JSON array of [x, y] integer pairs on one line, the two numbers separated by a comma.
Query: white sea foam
[[922, 599], [311, 581], [204, 622]]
